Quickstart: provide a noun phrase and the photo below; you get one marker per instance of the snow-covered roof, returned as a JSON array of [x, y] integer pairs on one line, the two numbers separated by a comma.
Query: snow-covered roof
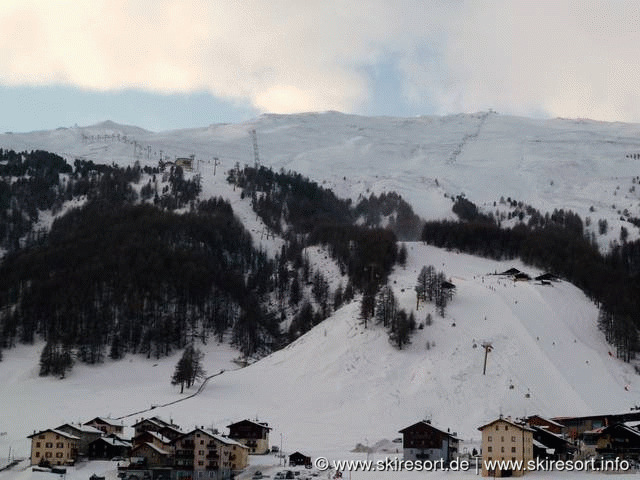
[[57, 432], [114, 441], [81, 428], [162, 438], [430, 425], [538, 444], [548, 420], [227, 440], [153, 447], [261, 425], [108, 421], [509, 421]]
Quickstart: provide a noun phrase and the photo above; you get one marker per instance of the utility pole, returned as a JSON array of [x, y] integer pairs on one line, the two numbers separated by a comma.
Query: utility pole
[[216, 162], [487, 348]]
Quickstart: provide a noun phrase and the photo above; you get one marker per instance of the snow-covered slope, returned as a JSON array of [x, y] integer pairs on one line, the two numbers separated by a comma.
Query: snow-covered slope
[[342, 384], [575, 164]]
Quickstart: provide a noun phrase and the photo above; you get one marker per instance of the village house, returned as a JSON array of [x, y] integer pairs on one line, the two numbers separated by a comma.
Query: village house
[[85, 433], [423, 441], [504, 439], [233, 453], [155, 438], [576, 426], [554, 446], [53, 447], [254, 435], [297, 458], [153, 457], [106, 425], [550, 425], [108, 447], [156, 424], [208, 455], [619, 441]]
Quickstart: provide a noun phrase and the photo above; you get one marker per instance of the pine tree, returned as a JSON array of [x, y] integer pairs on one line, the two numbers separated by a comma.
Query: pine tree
[[402, 255], [188, 369]]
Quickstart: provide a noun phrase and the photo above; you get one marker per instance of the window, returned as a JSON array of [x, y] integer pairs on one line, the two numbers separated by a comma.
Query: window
[[47, 454], [37, 444], [490, 438], [502, 438], [48, 445], [59, 445], [502, 449], [489, 448], [513, 449], [200, 462], [513, 438], [497, 427], [37, 454], [201, 442], [59, 455], [200, 452]]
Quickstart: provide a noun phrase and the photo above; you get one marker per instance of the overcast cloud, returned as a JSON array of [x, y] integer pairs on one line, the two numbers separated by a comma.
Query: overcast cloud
[[571, 59]]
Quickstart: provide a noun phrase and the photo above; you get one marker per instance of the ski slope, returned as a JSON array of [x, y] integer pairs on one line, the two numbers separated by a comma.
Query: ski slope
[[341, 384], [583, 165]]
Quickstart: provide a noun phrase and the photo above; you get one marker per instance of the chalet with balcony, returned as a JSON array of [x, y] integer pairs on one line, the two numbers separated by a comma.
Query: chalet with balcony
[[422, 441], [253, 435]]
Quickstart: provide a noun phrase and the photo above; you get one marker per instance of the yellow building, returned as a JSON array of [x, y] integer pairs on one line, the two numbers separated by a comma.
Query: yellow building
[[233, 453], [505, 440], [200, 450], [54, 447]]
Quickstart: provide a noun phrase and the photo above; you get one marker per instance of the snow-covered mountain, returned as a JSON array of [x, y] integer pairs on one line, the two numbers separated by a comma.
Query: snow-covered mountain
[[587, 166], [341, 384]]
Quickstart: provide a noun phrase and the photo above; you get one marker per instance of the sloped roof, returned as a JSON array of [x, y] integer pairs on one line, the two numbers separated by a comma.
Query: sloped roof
[[541, 445], [428, 424], [108, 421], [153, 447], [228, 441], [509, 421], [258, 424], [113, 441], [57, 432], [155, 435], [81, 428], [548, 420]]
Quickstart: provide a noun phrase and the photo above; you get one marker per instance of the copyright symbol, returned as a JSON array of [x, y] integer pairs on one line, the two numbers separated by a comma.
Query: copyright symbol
[[321, 463]]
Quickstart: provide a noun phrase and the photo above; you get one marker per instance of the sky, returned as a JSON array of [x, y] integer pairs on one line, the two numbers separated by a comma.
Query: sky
[[167, 64]]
